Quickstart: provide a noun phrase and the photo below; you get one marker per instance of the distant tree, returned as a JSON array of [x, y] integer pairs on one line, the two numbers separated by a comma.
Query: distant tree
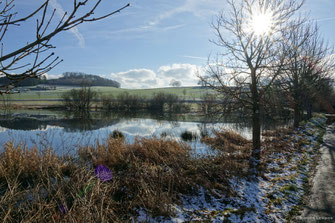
[[184, 92], [175, 83], [159, 100], [79, 99], [209, 104], [13, 64]]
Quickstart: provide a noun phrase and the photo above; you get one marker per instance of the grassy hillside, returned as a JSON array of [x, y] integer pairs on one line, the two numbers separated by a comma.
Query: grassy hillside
[[187, 92]]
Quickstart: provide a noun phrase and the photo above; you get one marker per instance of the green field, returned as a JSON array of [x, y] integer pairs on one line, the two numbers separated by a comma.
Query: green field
[[183, 92], [49, 98]]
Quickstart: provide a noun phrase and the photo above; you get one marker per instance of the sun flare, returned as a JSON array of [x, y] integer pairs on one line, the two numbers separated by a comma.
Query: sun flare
[[261, 24]]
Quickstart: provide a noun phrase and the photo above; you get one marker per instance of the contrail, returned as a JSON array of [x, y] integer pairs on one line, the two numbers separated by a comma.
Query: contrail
[[195, 57], [324, 19], [75, 31]]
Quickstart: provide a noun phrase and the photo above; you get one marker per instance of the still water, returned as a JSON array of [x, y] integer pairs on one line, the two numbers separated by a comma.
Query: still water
[[66, 132]]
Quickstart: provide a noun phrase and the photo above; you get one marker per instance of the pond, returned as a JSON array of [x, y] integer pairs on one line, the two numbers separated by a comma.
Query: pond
[[66, 132]]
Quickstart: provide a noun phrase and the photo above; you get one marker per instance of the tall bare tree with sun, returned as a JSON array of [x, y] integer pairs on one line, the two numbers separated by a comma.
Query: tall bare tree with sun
[[250, 35], [33, 58]]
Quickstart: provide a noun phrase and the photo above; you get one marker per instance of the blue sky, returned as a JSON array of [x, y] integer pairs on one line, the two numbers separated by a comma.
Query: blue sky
[[147, 44]]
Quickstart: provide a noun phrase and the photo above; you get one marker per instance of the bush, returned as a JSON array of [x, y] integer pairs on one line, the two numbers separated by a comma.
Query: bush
[[117, 134], [123, 102], [188, 136], [79, 99]]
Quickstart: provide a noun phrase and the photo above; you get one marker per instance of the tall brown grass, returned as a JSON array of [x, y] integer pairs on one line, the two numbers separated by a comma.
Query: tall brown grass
[[150, 173], [230, 142], [279, 140]]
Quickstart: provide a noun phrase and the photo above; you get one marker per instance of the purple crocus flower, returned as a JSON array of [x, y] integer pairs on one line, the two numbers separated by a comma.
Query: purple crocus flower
[[103, 173], [63, 209]]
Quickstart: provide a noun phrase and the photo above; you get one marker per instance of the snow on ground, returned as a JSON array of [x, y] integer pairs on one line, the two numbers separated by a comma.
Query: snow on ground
[[270, 198]]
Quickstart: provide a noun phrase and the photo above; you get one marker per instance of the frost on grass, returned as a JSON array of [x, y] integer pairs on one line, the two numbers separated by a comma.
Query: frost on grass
[[272, 197]]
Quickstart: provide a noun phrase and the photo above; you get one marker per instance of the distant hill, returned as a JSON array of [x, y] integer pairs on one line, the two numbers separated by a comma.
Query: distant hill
[[69, 78], [76, 79]]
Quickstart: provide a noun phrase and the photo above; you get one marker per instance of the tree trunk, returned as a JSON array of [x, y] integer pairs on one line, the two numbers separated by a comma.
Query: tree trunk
[[297, 117], [309, 110], [256, 126]]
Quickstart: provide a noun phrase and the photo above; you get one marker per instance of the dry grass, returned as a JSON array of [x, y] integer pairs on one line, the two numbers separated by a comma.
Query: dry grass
[[279, 140], [150, 174], [230, 143]]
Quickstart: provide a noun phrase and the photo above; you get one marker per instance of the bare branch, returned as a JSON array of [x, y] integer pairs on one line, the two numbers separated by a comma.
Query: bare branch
[[9, 62]]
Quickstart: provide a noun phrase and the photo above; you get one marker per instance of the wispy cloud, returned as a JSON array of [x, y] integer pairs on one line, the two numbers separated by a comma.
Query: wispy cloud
[[325, 19], [198, 8], [137, 30], [75, 31], [195, 57], [146, 29]]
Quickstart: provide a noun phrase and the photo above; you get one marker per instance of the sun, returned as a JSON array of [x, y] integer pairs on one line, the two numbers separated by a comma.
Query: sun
[[262, 23], [260, 20]]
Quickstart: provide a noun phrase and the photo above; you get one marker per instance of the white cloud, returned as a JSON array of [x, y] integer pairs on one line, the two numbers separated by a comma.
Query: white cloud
[[136, 78], [146, 78], [52, 76], [185, 73], [75, 31]]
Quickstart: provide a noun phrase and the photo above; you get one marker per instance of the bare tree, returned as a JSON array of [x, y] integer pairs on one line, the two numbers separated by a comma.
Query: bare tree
[[175, 83], [14, 65], [308, 70], [79, 99], [6, 104], [249, 36]]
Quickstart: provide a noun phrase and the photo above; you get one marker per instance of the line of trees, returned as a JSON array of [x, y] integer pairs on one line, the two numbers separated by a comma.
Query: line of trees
[[82, 100], [68, 79], [259, 66], [77, 78]]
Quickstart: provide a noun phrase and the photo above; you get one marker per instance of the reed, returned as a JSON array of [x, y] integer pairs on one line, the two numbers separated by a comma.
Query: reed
[[151, 173]]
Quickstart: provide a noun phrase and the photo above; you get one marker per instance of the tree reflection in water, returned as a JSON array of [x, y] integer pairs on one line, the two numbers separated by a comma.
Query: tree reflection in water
[[69, 130]]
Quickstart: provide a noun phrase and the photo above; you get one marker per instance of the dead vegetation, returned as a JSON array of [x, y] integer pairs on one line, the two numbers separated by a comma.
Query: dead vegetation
[[229, 142], [150, 173], [280, 140]]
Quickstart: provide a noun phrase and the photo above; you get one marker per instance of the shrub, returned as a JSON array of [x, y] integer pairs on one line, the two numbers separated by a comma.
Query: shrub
[[117, 134], [79, 99], [188, 136]]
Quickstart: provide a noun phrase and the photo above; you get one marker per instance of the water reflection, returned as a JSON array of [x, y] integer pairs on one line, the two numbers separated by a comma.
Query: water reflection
[[66, 132]]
